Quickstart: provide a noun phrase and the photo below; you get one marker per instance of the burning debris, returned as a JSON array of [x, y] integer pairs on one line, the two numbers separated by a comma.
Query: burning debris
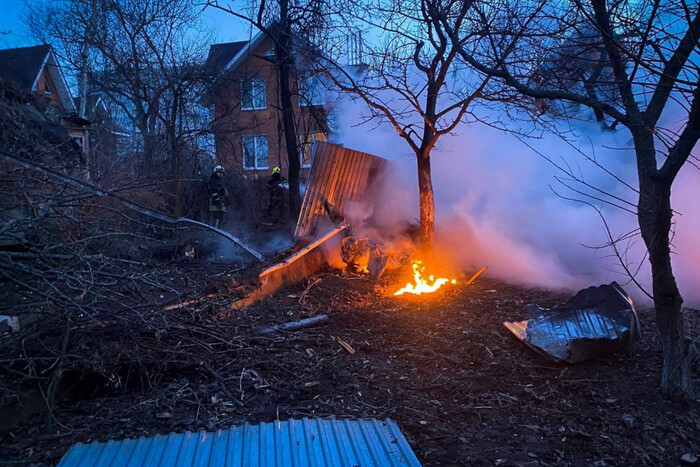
[[422, 284], [342, 181], [597, 321], [339, 176], [355, 253]]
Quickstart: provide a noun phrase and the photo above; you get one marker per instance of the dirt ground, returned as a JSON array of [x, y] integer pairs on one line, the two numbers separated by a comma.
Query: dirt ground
[[462, 389]]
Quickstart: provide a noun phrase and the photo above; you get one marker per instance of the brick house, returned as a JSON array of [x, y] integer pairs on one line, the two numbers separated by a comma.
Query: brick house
[[35, 70], [246, 111]]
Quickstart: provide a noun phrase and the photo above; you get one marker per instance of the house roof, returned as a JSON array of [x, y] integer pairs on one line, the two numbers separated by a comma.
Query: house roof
[[221, 54], [22, 66]]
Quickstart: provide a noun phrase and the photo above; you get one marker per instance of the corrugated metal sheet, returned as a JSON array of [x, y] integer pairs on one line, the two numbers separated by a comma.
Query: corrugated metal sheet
[[339, 175], [597, 321], [299, 443]]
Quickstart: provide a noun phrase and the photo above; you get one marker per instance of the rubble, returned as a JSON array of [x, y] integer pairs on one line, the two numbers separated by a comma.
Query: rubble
[[339, 176]]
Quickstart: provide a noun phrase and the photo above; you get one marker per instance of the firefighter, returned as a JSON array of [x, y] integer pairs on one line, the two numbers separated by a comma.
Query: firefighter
[[217, 196], [276, 190]]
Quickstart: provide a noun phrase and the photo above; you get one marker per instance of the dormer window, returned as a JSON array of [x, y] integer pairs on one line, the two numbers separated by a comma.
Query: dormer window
[[47, 87]]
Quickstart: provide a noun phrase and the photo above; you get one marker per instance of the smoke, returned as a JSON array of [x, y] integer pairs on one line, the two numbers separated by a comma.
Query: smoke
[[499, 203]]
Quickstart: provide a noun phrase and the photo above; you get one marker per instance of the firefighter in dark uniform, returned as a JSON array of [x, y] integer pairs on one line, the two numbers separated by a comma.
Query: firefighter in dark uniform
[[217, 197], [276, 191]]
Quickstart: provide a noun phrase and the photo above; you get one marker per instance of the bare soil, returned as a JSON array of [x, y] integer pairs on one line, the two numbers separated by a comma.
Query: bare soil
[[462, 389]]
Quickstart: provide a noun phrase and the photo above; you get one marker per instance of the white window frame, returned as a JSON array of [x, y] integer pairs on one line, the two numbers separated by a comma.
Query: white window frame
[[303, 143], [257, 140], [317, 98], [258, 93]]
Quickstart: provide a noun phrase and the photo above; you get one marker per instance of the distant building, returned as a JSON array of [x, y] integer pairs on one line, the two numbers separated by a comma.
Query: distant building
[[36, 70], [108, 139], [246, 110]]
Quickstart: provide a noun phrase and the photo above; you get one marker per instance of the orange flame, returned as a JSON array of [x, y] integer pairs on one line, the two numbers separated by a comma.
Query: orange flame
[[422, 285]]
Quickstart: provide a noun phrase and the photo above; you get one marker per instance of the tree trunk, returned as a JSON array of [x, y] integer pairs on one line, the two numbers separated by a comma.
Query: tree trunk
[[426, 205], [176, 175], [283, 48], [654, 214]]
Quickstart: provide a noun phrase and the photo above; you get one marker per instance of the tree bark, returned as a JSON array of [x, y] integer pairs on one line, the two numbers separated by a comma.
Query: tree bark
[[655, 215], [426, 205]]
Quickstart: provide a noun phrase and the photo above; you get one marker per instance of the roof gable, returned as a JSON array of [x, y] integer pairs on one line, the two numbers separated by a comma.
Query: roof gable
[[221, 54], [246, 51], [23, 66]]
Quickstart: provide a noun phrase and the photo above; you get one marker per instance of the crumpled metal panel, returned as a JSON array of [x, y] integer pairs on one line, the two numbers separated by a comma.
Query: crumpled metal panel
[[597, 321], [301, 443], [340, 176]]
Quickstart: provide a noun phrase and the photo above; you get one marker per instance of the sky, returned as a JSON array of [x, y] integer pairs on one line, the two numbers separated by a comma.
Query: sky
[[225, 27]]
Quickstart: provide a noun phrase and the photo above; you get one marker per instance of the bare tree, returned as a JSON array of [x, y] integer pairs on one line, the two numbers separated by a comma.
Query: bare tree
[[413, 81], [145, 59], [648, 50], [75, 258], [289, 25]]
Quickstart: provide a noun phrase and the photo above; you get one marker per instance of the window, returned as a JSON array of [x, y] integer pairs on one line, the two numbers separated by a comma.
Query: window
[[47, 87], [306, 146], [255, 153], [79, 141], [311, 92], [253, 95]]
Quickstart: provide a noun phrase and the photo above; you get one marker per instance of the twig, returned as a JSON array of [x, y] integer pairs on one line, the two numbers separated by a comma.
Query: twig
[[478, 273]]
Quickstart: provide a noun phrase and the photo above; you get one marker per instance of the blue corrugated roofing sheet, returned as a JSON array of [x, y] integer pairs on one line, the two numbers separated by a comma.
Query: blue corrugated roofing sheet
[[298, 443]]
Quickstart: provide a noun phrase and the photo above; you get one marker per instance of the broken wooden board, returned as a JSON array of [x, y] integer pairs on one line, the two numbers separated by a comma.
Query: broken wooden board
[[298, 266]]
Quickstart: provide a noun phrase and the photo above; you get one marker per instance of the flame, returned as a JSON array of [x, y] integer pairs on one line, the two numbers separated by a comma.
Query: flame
[[422, 285]]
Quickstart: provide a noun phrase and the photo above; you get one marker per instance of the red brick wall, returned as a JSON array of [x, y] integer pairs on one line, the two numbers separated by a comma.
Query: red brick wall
[[232, 123]]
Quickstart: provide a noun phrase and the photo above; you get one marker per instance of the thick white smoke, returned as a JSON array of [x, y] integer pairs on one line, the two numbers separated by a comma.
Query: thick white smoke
[[495, 204]]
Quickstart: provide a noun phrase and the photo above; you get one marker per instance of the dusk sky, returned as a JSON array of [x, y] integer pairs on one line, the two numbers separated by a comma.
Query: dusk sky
[[225, 27]]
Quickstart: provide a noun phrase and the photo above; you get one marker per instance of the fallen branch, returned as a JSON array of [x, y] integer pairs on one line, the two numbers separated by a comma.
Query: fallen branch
[[128, 203], [294, 325]]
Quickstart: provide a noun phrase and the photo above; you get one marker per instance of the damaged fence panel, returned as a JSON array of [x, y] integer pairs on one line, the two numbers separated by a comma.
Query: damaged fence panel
[[338, 177], [597, 321]]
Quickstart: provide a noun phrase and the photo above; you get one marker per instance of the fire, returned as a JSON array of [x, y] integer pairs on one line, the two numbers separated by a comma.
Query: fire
[[422, 285]]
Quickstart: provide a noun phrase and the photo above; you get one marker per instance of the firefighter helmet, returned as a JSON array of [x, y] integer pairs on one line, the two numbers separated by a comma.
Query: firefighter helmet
[[276, 170], [218, 168]]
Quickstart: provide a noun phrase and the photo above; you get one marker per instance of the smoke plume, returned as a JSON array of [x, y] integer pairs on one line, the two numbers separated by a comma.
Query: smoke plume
[[499, 203]]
